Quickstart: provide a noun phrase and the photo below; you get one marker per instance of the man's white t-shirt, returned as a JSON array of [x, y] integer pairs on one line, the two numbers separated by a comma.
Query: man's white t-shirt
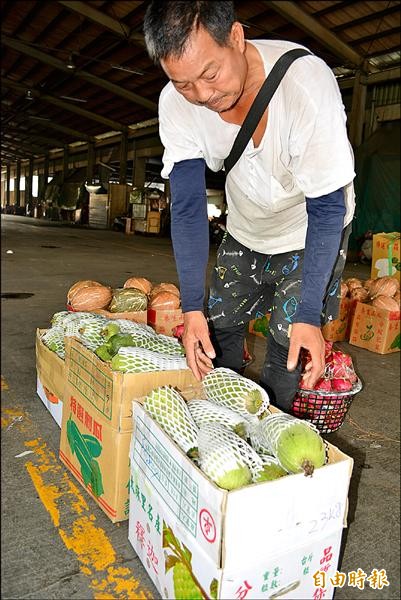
[[304, 152]]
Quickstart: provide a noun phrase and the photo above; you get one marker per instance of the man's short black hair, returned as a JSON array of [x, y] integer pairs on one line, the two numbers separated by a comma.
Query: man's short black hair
[[168, 25]]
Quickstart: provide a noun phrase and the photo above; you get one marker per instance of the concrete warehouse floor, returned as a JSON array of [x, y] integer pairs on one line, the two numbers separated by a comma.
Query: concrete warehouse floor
[[45, 517]]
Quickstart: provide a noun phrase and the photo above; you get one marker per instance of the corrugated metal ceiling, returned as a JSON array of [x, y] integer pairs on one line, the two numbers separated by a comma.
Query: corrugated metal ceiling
[[114, 84]]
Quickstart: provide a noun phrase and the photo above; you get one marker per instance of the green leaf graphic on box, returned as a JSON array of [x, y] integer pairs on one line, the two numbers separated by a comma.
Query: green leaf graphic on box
[[187, 553], [186, 585], [93, 444], [85, 465], [170, 562], [369, 333], [214, 588], [396, 342], [96, 479], [79, 445]]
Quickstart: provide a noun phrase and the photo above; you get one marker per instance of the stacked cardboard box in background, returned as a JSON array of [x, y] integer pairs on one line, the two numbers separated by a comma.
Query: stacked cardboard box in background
[[386, 255]]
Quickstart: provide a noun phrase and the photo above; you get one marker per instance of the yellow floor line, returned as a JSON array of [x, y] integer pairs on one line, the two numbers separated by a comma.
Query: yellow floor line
[[73, 519]]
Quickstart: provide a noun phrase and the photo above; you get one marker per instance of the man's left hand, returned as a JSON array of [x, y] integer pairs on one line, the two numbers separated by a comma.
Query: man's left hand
[[309, 337]]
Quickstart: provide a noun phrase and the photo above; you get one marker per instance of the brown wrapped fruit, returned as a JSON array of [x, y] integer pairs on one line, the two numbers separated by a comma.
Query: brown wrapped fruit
[[84, 283], [91, 298], [165, 287], [140, 283], [164, 301], [385, 302], [361, 294], [383, 286]]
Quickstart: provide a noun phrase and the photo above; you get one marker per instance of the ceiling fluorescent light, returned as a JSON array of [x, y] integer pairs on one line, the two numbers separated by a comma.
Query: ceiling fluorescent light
[[70, 64], [73, 99], [126, 69]]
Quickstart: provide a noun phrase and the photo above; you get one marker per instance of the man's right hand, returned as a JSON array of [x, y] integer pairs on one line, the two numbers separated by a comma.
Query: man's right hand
[[198, 347]]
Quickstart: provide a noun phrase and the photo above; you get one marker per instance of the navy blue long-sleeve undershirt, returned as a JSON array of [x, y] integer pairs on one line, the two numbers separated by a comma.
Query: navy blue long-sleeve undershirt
[[190, 236]]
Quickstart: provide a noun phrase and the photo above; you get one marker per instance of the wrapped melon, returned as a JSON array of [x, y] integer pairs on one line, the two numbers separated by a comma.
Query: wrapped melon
[[164, 301], [140, 283], [165, 287], [128, 300], [78, 285], [296, 444], [383, 286], [91, 298], [383, 301], [226, 458]]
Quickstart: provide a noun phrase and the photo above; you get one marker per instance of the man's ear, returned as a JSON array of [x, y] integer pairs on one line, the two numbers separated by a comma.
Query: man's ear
[[237, 38]]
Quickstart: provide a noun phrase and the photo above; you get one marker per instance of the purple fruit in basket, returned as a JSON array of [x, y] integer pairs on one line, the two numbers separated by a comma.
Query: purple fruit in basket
[[341, 385], [323, 385]]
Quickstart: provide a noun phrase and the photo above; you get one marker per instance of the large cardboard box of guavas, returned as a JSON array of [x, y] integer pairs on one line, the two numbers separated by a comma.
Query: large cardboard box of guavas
[[50, 370], [97, 424], [264, 540]]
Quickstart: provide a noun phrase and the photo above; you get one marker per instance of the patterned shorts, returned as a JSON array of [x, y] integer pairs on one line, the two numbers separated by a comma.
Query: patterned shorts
[[246, 285]]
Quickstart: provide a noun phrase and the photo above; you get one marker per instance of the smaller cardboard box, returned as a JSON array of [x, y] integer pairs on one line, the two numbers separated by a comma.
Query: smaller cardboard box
[[375, 329], [252, 542], [164, 321], [260, 325], [386, 255], [97, 423], [336, 331], [50, 369], [53, 404]]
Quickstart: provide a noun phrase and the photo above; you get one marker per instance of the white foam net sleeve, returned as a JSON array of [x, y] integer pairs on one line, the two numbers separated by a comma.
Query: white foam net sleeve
[[206, 411], [228, 388], [169, 409], [53, 338], [140, 360], [272, 426], [221, 450], [127, 326]]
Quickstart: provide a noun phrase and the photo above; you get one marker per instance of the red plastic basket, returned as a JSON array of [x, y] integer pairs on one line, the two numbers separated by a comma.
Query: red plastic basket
[[326, 410]]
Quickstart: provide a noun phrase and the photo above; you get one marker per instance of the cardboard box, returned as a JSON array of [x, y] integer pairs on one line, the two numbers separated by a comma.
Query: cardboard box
[[164, 321], [336, 331], [259, 326], [375, 329], [386, 255], [98, 413], [53, 404], [50, 369], [250, 542], [140, 316]]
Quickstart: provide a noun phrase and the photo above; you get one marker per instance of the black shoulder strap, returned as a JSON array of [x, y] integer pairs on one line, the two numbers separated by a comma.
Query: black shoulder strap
[[260, 104]]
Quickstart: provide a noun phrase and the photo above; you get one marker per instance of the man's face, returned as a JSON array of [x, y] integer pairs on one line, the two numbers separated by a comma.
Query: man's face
[[208, 74]]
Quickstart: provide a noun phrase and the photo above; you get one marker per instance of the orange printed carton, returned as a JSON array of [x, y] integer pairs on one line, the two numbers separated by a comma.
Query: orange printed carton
[[386, 255], [375, 329]]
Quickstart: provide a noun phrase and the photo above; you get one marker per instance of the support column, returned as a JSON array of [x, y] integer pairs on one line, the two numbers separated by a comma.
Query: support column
[[28, 185], [357, 116], [90, 167], [123, 157], [8, 176], [17, 185], [64, 173]]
